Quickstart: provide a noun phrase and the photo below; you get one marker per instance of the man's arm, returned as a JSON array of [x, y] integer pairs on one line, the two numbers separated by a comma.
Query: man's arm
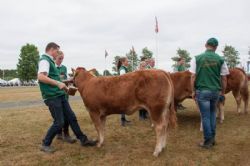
[[223, 84], [193, 77], [224, 72], [42, 77]]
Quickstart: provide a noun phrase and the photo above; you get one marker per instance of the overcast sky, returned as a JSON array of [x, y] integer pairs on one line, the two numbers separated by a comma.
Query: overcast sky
[[84, 29]]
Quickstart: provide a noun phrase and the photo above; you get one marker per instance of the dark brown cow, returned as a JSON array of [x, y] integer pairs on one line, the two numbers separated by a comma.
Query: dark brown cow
[[236, 82], [151, 90]]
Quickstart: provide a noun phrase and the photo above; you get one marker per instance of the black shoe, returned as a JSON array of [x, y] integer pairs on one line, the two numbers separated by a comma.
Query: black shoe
[[127, 121], [206, 144], [123, 123], [213, 141], [47, 149], [69, 139], [88, 142]]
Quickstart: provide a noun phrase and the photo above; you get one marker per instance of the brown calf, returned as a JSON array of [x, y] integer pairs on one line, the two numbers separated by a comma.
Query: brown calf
[[151, 90]]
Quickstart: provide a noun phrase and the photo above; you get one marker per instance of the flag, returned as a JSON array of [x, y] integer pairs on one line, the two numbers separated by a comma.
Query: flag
[[156, 25], [106, 54]]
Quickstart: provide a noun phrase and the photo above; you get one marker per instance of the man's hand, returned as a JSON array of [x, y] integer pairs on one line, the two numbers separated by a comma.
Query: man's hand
[[222, 93], [61, 85]]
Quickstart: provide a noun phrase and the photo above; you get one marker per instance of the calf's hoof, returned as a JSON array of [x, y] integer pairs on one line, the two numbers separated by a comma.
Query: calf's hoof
[[99, 145], [156, 154]]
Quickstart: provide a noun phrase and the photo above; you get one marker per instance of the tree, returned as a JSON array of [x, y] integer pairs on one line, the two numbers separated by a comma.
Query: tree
[[231, 56], [28, 62], [114, 68], [133, 60], [106, 73], [146, 53], [182, 53], [8, 74], [97, 73]]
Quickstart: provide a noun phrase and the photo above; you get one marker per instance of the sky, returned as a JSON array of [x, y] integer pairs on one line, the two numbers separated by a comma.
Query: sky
[[85, 29]]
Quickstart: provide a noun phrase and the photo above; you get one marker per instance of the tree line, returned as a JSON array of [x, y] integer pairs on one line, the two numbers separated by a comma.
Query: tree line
[[29, 56]]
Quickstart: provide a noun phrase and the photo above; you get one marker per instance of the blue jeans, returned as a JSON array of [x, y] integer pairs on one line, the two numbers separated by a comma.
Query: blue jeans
[[60, 111], [207, 101]]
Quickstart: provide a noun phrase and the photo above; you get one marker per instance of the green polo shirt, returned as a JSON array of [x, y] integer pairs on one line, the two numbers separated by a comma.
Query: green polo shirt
[[62, 71], [122, 68], [63, 75], [208, 69], [181, 68]]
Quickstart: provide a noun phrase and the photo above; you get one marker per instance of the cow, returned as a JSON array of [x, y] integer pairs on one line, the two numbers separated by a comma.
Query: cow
[[151, 90], [237, 82]]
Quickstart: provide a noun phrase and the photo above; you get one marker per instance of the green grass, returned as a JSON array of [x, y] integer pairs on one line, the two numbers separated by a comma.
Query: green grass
[[21, 132]]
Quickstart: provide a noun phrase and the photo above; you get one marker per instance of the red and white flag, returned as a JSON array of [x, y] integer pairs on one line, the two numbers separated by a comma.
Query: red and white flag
[[156, 25]]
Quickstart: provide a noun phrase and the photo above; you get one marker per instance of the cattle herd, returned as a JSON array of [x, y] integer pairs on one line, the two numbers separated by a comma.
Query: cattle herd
[[154, 90]]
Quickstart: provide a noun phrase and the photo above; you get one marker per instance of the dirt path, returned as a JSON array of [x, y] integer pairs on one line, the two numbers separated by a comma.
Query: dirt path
[[27, 104]]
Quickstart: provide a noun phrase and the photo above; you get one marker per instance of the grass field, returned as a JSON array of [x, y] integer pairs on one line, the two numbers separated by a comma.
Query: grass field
[[21, 132]]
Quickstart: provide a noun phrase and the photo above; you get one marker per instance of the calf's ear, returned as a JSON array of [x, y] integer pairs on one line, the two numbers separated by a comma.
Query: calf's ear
[[73, 70]]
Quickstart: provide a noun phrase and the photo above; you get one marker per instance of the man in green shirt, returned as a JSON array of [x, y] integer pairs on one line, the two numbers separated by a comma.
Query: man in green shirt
[[208, 83], [54, 97]]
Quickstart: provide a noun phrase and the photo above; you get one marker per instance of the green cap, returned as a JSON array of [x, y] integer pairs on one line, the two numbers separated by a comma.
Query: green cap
[[212, 42]]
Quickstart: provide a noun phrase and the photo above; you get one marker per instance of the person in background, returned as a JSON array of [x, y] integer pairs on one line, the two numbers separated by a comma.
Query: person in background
[[122, 67], [53, 95], [143, 112], [208, 82], [180, 67], [180, 64], [63, 133], [150, 63]]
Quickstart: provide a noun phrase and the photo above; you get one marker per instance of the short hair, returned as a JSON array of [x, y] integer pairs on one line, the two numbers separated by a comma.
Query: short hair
[[143, 58], [179, 59], [51, 45], [60, 53]]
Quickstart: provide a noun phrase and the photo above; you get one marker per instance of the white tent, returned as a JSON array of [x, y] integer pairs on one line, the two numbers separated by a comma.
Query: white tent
[[2, 81], [15, 81]]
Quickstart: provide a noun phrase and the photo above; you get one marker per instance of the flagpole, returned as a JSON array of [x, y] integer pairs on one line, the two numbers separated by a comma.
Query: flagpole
[[105, 67], [105, 63], [3, 74], [156, 47], [132, 60], [156, 41]]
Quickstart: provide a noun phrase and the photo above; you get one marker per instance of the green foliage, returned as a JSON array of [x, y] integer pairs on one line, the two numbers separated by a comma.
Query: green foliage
[[106, 73], [133, 60], [97, 73], [231, 56], [8, 74], [182, 53], [146, 53], [28, 62]]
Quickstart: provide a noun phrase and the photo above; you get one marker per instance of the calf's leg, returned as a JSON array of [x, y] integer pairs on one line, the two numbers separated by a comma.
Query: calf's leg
[[160, 125], [237, 97], [99, 122]]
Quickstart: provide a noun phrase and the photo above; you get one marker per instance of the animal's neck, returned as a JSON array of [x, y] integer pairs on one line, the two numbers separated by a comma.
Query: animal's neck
[[82, 79]]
